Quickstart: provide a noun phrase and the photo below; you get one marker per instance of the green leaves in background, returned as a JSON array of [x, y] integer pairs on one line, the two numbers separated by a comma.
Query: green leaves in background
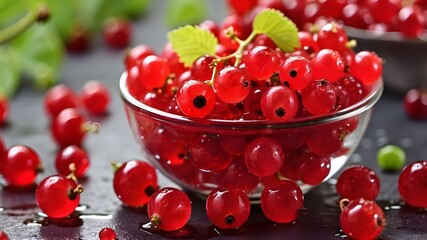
[[181, 12], [9, 74]]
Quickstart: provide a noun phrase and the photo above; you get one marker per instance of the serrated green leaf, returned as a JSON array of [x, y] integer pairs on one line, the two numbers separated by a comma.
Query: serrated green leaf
[[279, 28], [192, 42], [182, 12], [9, 74]]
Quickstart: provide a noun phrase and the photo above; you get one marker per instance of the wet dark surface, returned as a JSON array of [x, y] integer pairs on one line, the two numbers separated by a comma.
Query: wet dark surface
[[21, 219]]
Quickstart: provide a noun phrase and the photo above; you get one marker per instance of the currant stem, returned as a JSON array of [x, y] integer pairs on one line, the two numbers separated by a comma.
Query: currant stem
[[155, 220], [116, 166], [72, 175], [39, 15], [76, 191], [343, 203], [91, 127]]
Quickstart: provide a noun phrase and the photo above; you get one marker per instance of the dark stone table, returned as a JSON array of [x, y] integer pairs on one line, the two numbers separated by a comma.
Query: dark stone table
[[100, 207]]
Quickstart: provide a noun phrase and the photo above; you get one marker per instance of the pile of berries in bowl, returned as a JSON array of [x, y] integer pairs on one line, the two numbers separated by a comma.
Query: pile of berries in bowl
[[246, 112]]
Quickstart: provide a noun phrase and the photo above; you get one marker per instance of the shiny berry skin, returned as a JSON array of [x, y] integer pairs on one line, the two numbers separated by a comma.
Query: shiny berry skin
[[237, 175], [58, 196], [367, 67], [195, 99], [136, 55], [297, 72], [132, 81], [307, 42], [242, 7], [172, 58], [3, 236], [153, 72], [353, 87], [79, 41], [2, 152], [261, 62], [134, 182], [72, 155], [362, 219], [59, 98], [228, 208], [412, 184], [264, 156], [202, 68], [415, 104], [117, 32], [95, 97], [208, 155], [383, 11], [279, 103], [358, 181], [169, 209], [319, 97], [328, 64], [281, 201], [107, 234], [313, 169], [20, 166], [211, 26], [4, 109], [232, 85], [332, 36], [410, 21], [70, 127]]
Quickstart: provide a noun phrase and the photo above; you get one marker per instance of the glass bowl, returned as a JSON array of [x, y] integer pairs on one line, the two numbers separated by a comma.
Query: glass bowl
[[405, 60], [165, 139]]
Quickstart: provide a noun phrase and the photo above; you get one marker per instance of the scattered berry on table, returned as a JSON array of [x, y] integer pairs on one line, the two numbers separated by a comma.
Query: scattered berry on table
[[59, 98], [358, 181], [4, 109], [412, 184], [117, 32], [72, 155], [95, 97], [415, 104], [107, 234]]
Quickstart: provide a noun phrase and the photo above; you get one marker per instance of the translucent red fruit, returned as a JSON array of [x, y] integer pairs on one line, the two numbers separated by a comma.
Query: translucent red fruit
[[136, 55], [3, 236], [261, 62], [207, 154], [107, 234], [4, 109], [319, 97], [59, 98], [70, 127], [279, 103], [415, 104], [232, 85], [413, 184], [297, 72], [328, 64], [117, 32], [72, 155], [58, 196], [264, 156], [332, 36], [367, 67], [282, 201], [169, 209], [313, 169], [362, 219], [242, 7], [153, 72], [20, 166], [134, 182], [95, 97], [358, 182], [195, 99], [228, 208]]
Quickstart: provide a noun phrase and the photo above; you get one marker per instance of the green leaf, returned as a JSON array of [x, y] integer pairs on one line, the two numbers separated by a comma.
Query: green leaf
[[182, 12], [279, 28], [62, 16], [9, 73], [192, 42], [40, 53], [134, 8]]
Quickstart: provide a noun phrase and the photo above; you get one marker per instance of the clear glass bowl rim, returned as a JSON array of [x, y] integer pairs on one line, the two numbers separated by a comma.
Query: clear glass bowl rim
[[363, 105]]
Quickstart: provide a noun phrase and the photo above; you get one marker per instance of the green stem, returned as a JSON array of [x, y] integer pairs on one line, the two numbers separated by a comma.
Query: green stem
[[41, 14]]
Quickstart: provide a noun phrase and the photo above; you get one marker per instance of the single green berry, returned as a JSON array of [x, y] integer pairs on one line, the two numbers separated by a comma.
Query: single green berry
[[391, 158]]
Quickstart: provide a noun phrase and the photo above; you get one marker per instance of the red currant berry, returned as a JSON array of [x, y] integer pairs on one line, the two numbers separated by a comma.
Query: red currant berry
[[297, 72], [195, 99], [231, 85], [169, 209], [135, 88], [59, 98], [328, 64], [238, 176], [72, 155], [415, 104], [211, 26], [356, 16], [279, 103], [313, 169], [136, 55], [367, 67], [413, 184], [383, 11], [362, 219], [70, 127], [358, 182], [134, 182], [307, 42], [410, 21], [353, 87], [20, 166], [231, 24], [332, 8], [117, 32], [228, 208], [208, 155], [2, 152], [3, 236], [79, 40], [107, 234], [153, 72], [264, 156], [242, 7], [202, 68], [261, 62], [58, 196], [282, 201], [4, 109], [95, 97], [332, 36], [172, 58], [319, 97]]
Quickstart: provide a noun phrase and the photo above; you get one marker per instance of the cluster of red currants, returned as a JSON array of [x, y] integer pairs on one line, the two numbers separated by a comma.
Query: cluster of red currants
[[407, 17]]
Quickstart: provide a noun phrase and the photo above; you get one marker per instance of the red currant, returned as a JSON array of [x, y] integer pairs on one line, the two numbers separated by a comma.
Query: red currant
[[202, 68], [72, 155], [237, 175], [172, 58], [20, 166], [211, 26], [297, 72], [228, 208], [58, 196], [59, 98], [107, 234], [4, 109], [169, 209], [195, 99], [383, 11], [134, 182], [136, 55], [279, 103], [117, 32], [261, 62], [153, 72], [242, 7], [415, 104], [332, 36], [132, 81], [79, 41], [231, 85], [208, 155], [362, 219], [282, 201], [358, 182], [413, 184], [328, 64], [264, 156], [313, 168], [410, 21], [95, 97], [319, 97], [367, 67], [3, 236]]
